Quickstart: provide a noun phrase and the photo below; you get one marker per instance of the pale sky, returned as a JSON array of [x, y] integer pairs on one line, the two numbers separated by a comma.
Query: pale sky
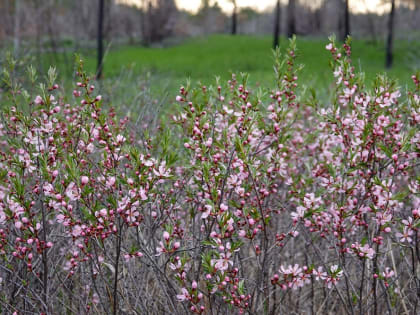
[[357, 6]]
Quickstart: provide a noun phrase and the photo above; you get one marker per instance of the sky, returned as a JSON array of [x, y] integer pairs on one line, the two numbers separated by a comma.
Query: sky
[[357, 6]]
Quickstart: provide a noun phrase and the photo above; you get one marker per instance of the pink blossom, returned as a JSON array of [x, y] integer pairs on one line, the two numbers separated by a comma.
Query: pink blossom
[[73, 192], [223, 262], [110, 181], [223, 207], [143, 193], [299, 214], [388, 273], [319, 273], [77, 231], [120, 139], [405, 236], [38, 100], [184, 295], [162, 171], [206, 213]]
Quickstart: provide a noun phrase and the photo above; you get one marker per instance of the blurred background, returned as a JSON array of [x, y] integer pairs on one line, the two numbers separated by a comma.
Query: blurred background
[[162, 43]]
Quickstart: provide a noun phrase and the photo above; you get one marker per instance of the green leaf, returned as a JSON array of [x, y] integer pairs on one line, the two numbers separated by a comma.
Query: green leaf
[[241, 288]]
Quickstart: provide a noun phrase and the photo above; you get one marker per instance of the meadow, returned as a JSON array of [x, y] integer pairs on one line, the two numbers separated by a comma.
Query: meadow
[[203, 59]]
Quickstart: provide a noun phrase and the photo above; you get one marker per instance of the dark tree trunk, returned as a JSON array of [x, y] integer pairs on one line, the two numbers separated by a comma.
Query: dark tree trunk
[[345, 26], [276, 25], [291, 22], [100, 39], [346, 18], [389, 41], [234, 18]]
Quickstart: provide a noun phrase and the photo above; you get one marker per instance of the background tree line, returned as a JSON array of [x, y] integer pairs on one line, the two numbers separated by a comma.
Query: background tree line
[[57, 25]]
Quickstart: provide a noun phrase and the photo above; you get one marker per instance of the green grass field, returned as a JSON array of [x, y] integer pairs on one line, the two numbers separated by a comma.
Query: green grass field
[[202, 59], [136, 77]]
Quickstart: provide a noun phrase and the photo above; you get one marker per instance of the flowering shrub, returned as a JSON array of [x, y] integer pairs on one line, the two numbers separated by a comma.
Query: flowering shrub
[[254, 201]]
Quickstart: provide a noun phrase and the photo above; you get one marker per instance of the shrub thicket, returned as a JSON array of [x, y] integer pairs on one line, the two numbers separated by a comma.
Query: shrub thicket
[[253, 201]]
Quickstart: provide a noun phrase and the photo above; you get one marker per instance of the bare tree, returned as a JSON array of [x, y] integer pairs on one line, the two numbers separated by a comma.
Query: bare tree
[[291, 21], [390, 37], [205, 4], [99, 66], [160, 19], [276, 25]]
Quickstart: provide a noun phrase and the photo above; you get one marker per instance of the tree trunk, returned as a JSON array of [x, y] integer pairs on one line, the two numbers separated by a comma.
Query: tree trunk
[[100, 39], [291, 22], [234, 18], [389, 56], [16, 30], [346, 18], [317, 20], [276, 25], [345, 30]]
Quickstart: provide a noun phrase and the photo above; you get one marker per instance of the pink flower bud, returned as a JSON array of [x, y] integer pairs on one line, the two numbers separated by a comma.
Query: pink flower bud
[[84, 180], [166, 235]]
